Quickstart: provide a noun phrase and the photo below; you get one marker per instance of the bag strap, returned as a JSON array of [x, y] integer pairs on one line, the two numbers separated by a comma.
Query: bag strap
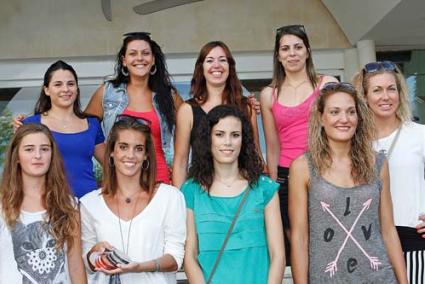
[[390, 150], [229, 232]]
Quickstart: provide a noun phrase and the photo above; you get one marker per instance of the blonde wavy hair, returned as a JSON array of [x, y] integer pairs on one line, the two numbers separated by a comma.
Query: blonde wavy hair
[[62, 214], [361, 152], [361, 82]]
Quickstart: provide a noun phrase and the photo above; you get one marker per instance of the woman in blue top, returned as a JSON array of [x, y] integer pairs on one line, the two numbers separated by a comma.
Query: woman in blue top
[[79, 137], [225, 165]]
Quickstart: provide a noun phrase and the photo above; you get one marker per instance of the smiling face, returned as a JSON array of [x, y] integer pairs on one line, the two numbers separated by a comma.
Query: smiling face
[[216, 67], [382, 95], [226, 140], [339, 118], [138, 58], [35, 154], [129, 152], [62, 89], [293, 53]]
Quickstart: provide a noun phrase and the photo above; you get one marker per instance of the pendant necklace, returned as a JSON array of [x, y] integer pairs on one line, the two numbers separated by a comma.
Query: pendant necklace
[[125, 248], [128, 199], [228, 185]]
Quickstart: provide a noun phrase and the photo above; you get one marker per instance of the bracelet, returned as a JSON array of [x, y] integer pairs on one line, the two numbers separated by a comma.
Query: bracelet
[[157, 265]]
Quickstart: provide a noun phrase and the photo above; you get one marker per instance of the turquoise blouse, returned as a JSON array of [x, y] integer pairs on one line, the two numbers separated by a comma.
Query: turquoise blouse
[[246, 257]]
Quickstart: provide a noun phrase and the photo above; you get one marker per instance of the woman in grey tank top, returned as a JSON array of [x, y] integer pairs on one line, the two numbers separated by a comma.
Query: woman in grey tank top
[[339, 200]]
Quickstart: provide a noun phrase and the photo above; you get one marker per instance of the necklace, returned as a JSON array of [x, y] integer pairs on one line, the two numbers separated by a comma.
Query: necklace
[[125, 249], [228, 185], [128, 199], [295, 87]]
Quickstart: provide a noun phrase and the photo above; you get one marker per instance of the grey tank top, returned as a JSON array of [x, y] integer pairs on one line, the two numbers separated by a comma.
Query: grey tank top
[[345, 244]]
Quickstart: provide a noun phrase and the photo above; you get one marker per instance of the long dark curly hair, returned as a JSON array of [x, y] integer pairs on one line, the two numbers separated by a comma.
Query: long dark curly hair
[[160, 82], [249, 162]]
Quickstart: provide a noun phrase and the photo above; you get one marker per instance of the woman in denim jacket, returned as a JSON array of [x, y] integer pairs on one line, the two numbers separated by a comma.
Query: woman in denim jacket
[[141, 88]]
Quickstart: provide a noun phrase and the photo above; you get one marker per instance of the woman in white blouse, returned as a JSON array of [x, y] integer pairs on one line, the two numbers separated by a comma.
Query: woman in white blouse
[[403, 142], [131, 213]]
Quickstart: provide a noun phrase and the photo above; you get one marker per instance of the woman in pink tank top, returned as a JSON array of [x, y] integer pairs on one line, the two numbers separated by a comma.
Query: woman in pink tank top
[[285, 107]]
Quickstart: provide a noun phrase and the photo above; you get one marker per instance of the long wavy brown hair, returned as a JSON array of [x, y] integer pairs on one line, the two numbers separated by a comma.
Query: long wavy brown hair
[[62, 213], [147, 178], [279, 74], [232, 93], [361, 152], [361, 82]]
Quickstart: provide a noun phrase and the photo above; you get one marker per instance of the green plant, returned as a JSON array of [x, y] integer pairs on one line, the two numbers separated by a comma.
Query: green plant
[[6, 132]]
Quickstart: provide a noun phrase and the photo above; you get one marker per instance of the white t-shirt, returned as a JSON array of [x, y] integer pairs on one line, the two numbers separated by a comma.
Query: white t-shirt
[[406, 165], [159, 229], [28, 254]]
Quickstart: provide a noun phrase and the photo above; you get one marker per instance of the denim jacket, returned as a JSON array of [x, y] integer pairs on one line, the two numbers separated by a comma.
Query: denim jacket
[[115, 100]]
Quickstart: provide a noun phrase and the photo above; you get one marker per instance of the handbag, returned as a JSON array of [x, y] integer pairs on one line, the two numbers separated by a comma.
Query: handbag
[[229, 232]]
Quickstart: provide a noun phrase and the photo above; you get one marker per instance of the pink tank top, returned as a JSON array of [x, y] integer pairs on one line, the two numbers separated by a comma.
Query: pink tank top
[[292, 126], [162, 172]]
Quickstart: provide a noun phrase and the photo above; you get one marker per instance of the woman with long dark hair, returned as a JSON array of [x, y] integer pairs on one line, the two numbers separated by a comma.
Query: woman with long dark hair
[[342, 227], [141, 88], [133, 228], [285, 107], [234, 229], [79, 137], [214, 82], [403, 141], [39, 219]]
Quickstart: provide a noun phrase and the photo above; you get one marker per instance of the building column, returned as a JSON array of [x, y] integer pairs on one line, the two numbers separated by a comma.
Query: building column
[[366, 51], [351, 63]]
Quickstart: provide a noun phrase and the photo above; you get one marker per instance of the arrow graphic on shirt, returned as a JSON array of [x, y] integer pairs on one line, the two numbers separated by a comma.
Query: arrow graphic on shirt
[[332, 267]]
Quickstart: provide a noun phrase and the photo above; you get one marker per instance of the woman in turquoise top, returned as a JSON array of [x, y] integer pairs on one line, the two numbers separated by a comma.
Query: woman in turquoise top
[[225, 164]]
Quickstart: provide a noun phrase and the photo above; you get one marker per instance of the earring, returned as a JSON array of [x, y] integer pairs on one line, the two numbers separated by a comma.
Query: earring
[[125, 73], [145, 164], [153, 72], [111, 162]]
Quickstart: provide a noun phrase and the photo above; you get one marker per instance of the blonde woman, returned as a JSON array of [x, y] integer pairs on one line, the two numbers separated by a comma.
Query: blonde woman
[[342, 227], [403, 141]]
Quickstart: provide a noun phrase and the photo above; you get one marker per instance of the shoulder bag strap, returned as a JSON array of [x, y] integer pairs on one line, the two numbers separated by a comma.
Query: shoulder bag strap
[[229, 232]]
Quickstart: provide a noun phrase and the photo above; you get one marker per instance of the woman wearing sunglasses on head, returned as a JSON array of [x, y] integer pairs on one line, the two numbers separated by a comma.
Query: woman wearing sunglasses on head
[[234, 227], [285, 106], [39, 219], [79, 137], [141, 88], [342, 228], [403, 142], [133, 229], [214, 82]]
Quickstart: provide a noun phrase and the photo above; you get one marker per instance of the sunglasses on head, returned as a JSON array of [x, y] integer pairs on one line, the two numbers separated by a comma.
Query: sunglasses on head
[[378, 66], [137, 34], [290, 28], [338, 86], [132, 119]]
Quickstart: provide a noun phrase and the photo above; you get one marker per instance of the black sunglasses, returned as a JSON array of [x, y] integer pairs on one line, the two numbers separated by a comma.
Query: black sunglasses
[[378, 66], [131, 119], [290, 28], [338, 86], [137, 34]]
